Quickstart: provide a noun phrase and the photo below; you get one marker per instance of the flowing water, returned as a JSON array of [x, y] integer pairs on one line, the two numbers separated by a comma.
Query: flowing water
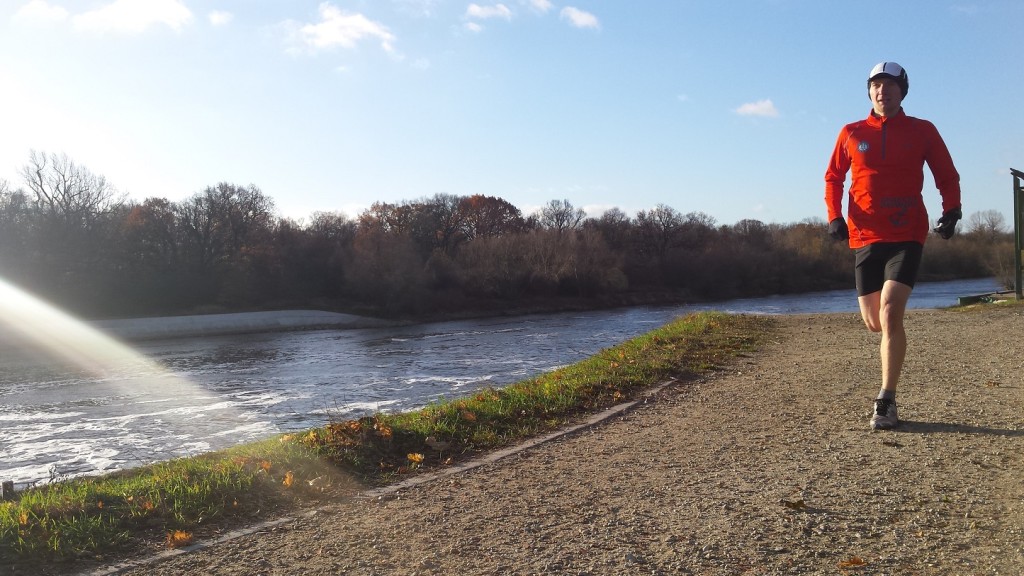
[[205, 393]]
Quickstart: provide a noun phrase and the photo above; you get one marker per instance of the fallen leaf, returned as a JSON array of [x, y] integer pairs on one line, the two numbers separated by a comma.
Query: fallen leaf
[[852, 562], [795, 505], [179, 538]]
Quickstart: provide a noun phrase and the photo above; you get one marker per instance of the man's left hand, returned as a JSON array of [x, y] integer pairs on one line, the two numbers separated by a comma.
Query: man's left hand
[[947, 224]]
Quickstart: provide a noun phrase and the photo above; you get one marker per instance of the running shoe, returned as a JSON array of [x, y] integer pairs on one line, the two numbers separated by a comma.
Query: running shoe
[[884, 415]]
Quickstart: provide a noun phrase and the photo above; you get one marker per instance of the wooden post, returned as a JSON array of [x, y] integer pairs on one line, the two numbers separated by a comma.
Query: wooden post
[[7, 490], [1018, 233]]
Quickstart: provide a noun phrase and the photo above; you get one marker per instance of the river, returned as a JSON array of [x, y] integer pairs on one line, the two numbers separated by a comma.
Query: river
[[193, 395]]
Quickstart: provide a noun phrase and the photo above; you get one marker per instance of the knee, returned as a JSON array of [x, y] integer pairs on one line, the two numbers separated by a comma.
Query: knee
[[872, 321], [891, 320]]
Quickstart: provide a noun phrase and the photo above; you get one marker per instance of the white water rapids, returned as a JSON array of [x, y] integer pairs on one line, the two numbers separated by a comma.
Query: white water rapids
[[64, 416]]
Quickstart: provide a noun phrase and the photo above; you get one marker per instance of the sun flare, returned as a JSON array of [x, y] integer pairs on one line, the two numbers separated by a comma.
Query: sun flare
[[28, 320], [47, 334]]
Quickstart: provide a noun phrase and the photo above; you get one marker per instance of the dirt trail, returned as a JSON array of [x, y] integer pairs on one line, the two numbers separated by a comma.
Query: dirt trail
[[765, 468]]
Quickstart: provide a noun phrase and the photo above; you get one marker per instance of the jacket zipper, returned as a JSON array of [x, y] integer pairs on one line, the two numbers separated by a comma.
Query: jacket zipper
[[884, 124]]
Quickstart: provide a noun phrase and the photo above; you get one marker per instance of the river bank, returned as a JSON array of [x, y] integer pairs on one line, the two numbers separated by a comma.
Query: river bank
[[927, 295], [767, 467], [233, 323]]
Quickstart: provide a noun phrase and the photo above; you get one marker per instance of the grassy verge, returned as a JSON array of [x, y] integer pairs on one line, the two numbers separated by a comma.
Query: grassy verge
[[168, 503]]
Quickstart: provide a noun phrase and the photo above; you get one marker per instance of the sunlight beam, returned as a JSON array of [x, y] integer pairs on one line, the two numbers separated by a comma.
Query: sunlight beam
[[167, 403], [60, 335]]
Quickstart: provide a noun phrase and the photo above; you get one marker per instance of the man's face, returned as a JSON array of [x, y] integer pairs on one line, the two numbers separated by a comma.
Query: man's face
[[886, 96]]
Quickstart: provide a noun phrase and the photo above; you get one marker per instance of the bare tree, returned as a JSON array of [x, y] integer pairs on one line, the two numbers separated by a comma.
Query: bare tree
[[150, 234], [224, 222], [441, 222], [699, 229], [68, 192], [15, 208], [320, 264], [660, 229], [615, 226], [15, 230], [561, 216], [73, 214], [987, 225], [753, 232]]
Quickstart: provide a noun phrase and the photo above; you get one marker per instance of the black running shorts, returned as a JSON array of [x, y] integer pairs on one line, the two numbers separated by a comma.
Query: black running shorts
[[881, 261]]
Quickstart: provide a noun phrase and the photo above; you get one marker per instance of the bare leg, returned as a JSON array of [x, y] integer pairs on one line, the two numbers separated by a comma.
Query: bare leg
[[883, 312]]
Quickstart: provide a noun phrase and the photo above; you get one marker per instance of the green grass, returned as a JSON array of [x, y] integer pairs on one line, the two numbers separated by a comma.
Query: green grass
[[83, 516], [170, 501]]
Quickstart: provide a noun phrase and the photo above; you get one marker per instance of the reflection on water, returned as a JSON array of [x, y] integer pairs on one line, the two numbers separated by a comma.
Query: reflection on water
[[252, 386]]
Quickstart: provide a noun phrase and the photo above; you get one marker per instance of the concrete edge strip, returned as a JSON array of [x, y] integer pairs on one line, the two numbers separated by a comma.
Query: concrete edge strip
[[128, 564], [389, 490], [506, 452]]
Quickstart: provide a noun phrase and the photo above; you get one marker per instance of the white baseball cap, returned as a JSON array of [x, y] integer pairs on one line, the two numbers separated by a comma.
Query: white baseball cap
[[891, 68], [895, 71]]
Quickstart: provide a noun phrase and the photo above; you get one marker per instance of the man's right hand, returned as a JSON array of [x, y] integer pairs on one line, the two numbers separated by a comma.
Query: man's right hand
[[837, 229]]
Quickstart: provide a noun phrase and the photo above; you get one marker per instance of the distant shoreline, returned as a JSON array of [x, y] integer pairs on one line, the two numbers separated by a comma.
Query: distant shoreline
[[232, 323]]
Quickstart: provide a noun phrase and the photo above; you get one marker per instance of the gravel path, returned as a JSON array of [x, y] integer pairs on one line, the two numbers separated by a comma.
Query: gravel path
[[767, 467]]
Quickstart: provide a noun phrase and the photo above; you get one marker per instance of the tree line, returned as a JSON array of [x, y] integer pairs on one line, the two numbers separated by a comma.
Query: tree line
[[67, 235]]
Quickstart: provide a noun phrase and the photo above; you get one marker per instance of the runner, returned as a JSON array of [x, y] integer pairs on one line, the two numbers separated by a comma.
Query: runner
[[888, 223]]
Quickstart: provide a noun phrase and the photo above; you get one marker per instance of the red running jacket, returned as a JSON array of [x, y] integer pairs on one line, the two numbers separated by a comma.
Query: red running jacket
[[887, 156]]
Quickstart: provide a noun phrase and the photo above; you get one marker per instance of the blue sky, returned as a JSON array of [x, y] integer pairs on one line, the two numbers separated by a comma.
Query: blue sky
[[725, 107]]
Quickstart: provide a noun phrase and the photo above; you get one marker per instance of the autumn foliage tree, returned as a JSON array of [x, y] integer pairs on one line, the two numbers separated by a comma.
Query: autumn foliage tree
[[69, 235]]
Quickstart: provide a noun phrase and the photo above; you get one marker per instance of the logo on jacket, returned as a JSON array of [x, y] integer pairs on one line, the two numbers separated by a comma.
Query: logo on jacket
[[900, 210], [862, 147]]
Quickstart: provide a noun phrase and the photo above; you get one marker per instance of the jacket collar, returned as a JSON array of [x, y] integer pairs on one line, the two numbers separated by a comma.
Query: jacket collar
[[879, 121]]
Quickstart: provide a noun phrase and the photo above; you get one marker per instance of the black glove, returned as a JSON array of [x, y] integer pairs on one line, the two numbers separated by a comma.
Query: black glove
[[947, 224], [837, 229]]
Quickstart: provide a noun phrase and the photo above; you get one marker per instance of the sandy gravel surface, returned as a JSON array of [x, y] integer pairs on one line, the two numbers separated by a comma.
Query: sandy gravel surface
[[765, 468]]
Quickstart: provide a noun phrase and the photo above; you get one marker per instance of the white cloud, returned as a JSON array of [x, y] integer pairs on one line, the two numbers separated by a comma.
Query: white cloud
[[542, 6], [220, 17], [340, 28], [473, 27], [760, 108], [134, 16], [40, 11], [486, 12], [579, 19]]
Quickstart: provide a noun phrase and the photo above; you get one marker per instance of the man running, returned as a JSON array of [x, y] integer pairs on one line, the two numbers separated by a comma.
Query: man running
[[888, 224]]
